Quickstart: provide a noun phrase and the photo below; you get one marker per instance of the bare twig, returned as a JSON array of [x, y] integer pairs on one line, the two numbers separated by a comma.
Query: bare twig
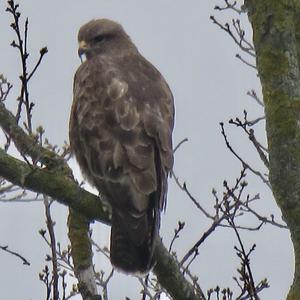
[[5, 88], [232, 208], [238, 37], [103, 282], [257, 173], [50, 227], [205, 235], [103, 250], [45, 278], [254, 122], [179, 144], [248, 287], [261, 150], [264, 220], [20, 199], [184, 188], [21, 45], [146, 292], [176, 234], [238, 56], [246, 272], [144, 283], [253, 95], [43, 51], [24, 260], [63, 256], [232, 6], [151, 289]]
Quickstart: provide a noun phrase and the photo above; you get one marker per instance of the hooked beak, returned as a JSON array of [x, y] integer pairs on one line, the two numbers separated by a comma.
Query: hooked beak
[[82, 49]]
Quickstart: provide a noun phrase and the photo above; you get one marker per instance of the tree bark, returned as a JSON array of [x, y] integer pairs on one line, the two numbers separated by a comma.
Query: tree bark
[[276, 37], [82, 255]]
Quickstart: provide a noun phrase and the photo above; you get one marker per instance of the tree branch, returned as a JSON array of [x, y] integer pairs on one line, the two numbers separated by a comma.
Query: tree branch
[[24, 260], [66, 191], [27, 144], [50, 227], [171, 278], [54, 184], [81, 250]]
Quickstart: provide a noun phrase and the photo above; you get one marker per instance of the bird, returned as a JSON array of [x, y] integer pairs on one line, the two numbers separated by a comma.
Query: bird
[[120, 132]]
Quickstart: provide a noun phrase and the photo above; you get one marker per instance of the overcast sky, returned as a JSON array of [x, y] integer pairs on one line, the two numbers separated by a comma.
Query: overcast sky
[[209, 85]]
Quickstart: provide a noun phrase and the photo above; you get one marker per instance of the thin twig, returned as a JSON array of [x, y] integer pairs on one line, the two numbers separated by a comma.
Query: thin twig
[[22, 45], [176, 234], [50, 228], [257, 173], [263, 220], [20, 199], [261, 150], [232, 6], [105, 283], [240, 40], [24, 260], [253, 95], [179, 144], [246, 261], [5, 88], [184, 188], [43, 51], [204, 236], [103, 250], [238, 56]]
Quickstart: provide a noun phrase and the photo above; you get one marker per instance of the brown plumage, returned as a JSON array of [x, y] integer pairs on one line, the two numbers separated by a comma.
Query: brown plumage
[[121, 133]]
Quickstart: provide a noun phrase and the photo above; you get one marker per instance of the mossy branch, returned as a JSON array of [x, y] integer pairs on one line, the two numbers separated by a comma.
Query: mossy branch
[[82, 255], [54, 184], [27, 145], [59, 185]]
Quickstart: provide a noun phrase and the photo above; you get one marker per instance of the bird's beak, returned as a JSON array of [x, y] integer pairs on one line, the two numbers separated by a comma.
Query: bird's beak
[[83, 47]]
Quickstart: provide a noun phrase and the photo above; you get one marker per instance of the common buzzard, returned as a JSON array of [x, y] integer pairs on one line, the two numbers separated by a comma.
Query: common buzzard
[[121, 133]]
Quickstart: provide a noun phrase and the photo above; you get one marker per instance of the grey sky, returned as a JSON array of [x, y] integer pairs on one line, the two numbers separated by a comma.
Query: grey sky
[[209, 85]]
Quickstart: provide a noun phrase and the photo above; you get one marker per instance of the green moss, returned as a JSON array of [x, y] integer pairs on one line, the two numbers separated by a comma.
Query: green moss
[[267, 58], [276, 35], [80, 241]]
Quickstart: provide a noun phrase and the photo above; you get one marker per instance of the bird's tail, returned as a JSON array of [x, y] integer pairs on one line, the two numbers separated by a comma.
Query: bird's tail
[[132, 242]]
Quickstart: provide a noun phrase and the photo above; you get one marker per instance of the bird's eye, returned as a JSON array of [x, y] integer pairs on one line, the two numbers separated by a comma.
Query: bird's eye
[[101, 38], [98, 39]]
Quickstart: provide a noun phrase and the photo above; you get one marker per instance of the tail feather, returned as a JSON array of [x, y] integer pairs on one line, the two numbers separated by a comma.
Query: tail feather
[[132, 243]]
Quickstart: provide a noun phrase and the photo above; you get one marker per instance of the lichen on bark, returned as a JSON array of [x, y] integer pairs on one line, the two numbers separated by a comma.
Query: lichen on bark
[[82, 254], [277, 41]]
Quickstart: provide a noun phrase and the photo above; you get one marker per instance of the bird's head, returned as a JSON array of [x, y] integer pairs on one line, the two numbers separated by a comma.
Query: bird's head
[[102, 36]]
